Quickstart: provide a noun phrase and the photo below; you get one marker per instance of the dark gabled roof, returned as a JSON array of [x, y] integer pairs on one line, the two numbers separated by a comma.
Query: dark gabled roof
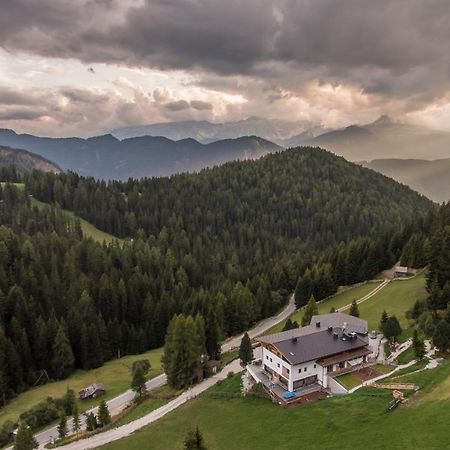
[[317, 345]]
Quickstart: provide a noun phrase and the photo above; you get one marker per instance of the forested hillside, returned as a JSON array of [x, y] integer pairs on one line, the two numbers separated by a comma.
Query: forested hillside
[[432, 246], [228, 243], [22, 161]]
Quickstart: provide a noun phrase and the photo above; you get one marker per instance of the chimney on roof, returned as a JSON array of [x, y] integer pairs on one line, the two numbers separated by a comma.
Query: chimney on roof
[[318, 324], [330, 329], [294, 339], [344, 326], [335, 335]]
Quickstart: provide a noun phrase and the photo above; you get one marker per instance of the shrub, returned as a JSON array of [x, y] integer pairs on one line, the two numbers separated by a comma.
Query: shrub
[[40, 414]]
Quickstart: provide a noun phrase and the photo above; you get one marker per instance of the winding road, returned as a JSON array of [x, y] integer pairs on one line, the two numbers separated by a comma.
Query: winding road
[[118, 403]]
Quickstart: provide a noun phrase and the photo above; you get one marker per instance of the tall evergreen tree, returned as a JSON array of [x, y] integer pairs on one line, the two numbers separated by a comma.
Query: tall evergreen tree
[[24, 438], [354, 310], [76, 421], [310, 311], [62, 426], [245, 350], [103, 415], [418, 345], [383, 320], [138, 382], [303, 290], [63, 359], [392, 329]]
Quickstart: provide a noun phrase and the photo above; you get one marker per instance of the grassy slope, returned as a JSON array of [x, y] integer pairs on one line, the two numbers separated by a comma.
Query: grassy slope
[[337, 301], [335, 423], [115, 375], [89, 230], [396, 299]]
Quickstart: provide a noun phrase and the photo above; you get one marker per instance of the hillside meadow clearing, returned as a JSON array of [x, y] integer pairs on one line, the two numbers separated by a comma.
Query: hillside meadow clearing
[[115, 375]]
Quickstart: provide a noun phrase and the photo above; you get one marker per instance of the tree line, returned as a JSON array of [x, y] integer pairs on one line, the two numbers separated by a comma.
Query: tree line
[[433, 315]]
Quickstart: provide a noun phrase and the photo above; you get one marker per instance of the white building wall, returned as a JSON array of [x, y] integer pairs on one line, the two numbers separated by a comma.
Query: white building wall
[[295, 372], [275, 363], [312, 368]]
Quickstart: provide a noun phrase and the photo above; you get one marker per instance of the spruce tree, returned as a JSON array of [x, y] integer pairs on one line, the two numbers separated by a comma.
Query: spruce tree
[[24, 438], [62, 426], [418, 345], [194, 440], [310, 311], [392, 328], [63, 359], [76, 421], [383, 320], [245, 350], [354, 311], [290, 325], [138, 382], [103, 416], [303, 289], [91, 421], [441, 335]]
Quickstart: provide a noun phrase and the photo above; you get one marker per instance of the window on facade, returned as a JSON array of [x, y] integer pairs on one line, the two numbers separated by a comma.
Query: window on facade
[[299, 370], [278, 365], [267, 357], [271, 360], [314, 366], [304, 369]]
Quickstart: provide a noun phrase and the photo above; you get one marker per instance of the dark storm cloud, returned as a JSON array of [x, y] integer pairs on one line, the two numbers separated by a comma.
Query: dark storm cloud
[[177, 106], [396, 48], [200, 105]]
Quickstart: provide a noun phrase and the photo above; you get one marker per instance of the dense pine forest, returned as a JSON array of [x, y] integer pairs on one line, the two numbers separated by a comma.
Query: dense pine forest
[[227, 244], [433, 246]]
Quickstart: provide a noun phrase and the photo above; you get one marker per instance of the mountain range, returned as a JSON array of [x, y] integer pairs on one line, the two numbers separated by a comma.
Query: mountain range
[[382, 138], [107, 157], [283, 133]]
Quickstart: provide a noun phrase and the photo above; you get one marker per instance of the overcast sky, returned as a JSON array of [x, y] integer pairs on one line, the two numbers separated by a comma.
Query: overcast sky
[[84, 67]]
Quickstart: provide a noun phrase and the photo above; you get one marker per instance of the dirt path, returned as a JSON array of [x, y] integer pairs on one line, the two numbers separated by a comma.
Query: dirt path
[[367, 296]]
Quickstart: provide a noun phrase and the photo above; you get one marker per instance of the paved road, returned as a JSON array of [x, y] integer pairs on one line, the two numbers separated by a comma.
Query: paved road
[[125, 430], [262, 326], [115, 405], [118, 403]]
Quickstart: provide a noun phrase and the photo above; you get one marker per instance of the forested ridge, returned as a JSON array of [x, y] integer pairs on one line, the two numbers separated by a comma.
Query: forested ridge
[[228, 244], [431, 246]]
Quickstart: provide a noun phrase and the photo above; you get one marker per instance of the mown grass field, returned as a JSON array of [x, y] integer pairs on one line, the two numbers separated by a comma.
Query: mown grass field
[[349, 380], [339, 300], [115, 375], [396, 298], [333, 423]]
